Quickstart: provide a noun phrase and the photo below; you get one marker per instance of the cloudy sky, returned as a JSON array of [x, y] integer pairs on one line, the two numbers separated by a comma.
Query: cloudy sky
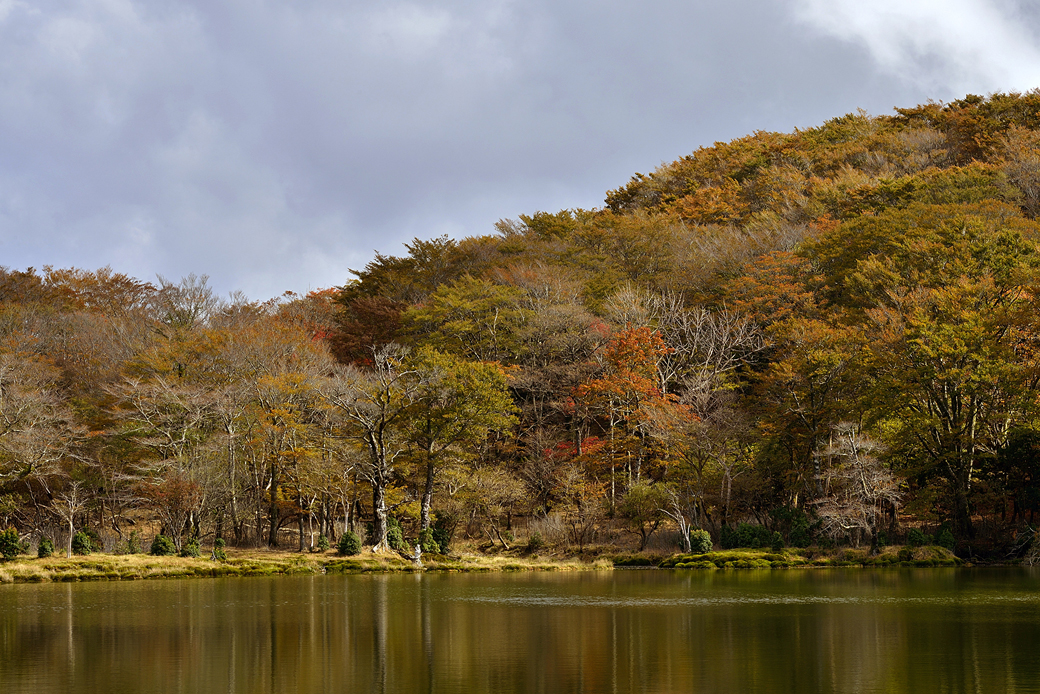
[[274, 144]]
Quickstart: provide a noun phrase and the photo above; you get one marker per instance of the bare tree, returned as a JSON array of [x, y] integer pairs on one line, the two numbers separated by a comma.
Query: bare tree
[[66, 505], [858, 490]]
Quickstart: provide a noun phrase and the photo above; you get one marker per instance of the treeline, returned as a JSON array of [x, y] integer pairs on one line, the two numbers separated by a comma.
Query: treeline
[[829, 334]]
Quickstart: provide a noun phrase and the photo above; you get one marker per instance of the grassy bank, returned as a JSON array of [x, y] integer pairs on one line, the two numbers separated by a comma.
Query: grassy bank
[[784, 559], [128, 567]]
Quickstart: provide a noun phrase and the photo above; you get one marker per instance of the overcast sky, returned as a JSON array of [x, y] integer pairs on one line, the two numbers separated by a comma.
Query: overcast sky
[[273, 144]]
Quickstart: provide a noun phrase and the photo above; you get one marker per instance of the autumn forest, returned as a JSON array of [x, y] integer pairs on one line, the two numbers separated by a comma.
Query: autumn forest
[[824, 337]]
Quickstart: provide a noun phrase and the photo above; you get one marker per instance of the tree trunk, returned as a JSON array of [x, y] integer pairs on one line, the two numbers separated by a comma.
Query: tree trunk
[[272, 510], [379, 518], [427, 497]]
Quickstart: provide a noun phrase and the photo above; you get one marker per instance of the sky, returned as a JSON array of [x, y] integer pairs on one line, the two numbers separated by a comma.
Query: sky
[[273, 145]]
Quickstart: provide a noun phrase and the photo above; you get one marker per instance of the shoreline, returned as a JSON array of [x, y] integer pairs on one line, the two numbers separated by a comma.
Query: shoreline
[[132, 567]]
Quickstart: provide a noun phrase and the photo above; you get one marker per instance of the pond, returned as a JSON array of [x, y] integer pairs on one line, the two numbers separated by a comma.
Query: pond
[[850, 630]]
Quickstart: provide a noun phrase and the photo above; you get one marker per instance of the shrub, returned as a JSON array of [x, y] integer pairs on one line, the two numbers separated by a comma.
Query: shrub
[[535, 542], [776, 542], [882, 539], [745, 535], [323, 543], [218, 550], [133, 543], [190, 548], [916, 538], [443, 531], [349, 544], [45, 548], [162, 546], [427, 543], [395, 535], [81, 543], [9, 545], [946, 539], [95, 539], [700, 541], [801, 535]]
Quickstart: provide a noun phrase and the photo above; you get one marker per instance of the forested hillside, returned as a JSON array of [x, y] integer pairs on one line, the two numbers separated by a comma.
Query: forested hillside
[[830, 334]]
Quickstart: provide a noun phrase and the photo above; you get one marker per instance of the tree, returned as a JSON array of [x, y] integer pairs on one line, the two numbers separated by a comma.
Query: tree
[[627, 387], [375, 405], [954, 327], [472, 318], [859, 491], [456, 405], [643, 507]]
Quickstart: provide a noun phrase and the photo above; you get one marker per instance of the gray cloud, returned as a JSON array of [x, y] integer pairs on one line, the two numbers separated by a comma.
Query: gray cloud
[[273, 145], [966, 45]]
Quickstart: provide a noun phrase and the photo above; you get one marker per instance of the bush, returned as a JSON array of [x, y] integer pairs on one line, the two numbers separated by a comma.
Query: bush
[[535, 542], [349, 544], [95, 539], [218, 550], [882, 539], [133, 543], [162, 546], [45, 548], [946, 539], [9, 545], [916, 538], [395, 535], [443, 531], [190, 548], [776, 543], [323, 543], [700, 542], [745, 535], [427, 543], [81, 543]]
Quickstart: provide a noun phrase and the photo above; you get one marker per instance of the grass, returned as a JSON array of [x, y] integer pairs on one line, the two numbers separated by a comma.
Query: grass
[[130, 567], [791, 558]]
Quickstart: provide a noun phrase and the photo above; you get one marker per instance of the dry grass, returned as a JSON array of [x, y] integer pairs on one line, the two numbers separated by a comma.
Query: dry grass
[[122, 567]]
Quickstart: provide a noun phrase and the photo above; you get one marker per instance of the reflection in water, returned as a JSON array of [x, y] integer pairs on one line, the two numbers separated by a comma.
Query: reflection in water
[[647, 631]]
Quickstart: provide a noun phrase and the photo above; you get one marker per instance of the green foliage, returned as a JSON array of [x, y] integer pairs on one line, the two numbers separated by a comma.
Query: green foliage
[[796, 524], [427, 542], [81, 543], [219, 553], [395, 535], [700, 541], [776, 542], [535, 542], [162, 546], [746, 535], [133, 543], [443, 527], [946, 539], [45, 548], [917, 538], [190, 548], [472, 318], [323, 543], [642, 508], [349, 544], [9, 544]]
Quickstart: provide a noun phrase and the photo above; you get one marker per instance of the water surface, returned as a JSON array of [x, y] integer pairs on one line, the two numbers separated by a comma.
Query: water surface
[[928, 630]]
